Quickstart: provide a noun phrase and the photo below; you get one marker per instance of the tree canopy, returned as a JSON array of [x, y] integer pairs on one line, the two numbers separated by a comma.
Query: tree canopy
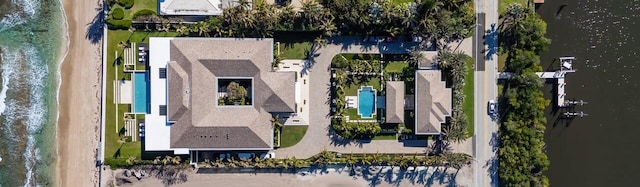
[[522, 159], [235, 92]]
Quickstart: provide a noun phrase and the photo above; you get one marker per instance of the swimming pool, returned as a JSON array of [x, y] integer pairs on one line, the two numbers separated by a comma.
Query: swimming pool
[[366, 102], [140, 96]]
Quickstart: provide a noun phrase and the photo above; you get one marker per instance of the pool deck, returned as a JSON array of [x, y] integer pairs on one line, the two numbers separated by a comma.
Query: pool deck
[[126, 92]]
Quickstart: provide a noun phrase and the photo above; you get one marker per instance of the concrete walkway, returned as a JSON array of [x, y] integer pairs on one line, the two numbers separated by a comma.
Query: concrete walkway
[[320, 135]]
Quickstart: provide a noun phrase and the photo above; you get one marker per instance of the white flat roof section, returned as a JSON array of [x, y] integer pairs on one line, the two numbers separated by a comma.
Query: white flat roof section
[[196, 7], [190, 7], [157, 132]]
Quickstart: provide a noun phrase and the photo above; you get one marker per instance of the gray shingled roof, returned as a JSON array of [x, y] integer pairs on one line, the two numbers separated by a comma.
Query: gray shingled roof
[[433, 102], [192, 73], [395, 102]]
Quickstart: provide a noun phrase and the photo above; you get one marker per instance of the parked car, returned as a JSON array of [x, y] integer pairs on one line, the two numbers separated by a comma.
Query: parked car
[[492, 108], [225, 155], [246, 155], [267, 155]]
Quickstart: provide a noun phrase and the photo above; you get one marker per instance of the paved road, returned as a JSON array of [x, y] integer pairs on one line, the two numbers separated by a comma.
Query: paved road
[[319, 135], [485, 89]]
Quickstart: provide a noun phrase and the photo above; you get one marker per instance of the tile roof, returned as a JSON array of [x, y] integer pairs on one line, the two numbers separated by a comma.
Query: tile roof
[[198, 121], [394, 102], [433, 102]]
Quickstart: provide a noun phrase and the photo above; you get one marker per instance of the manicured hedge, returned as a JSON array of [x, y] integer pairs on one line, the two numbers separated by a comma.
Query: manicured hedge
[[144, 12], [119, 24], [118, 14], [126, 3]]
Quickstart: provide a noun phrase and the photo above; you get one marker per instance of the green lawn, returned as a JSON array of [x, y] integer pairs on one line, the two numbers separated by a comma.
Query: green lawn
[[144, 4], [353, 114], [297, 50], [503, 4], [395, 67], [291, 135], [467, 106], [352, 89], [137, 6], [112, 155], [502, 59]]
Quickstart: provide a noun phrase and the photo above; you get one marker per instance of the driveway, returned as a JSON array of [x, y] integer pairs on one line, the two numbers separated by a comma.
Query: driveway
[[320, 135]]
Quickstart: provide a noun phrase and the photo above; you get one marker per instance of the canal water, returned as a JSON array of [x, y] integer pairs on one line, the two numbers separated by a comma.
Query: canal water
[[601, 149]]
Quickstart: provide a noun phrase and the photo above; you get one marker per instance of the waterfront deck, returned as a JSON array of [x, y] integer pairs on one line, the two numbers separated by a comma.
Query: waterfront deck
[[566, 67]]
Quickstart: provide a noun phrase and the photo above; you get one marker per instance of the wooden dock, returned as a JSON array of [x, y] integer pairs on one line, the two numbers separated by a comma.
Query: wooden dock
[[565, 67]]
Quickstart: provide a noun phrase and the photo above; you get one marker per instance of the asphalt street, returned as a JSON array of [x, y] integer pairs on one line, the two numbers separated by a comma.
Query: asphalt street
[[485, 89]]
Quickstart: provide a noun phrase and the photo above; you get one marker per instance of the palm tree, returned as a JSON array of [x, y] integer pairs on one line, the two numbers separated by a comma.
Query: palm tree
[[166, 160], [327, 26], [319, 43], [156, 160], [131, 160], [275, 122], [312, 14], [122, 45], [176, 160], [166, 25], [202, 28], [183, 30]]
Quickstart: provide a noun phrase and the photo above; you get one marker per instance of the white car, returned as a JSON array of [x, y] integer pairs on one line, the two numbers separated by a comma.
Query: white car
[[492, 108], [267, 155]]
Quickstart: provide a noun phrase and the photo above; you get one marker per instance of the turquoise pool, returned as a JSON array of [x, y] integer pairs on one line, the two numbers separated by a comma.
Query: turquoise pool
[[366, 102], [140, 93]]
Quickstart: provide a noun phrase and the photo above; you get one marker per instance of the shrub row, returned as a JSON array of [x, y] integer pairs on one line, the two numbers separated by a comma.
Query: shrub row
[[118, 24], [144, 12], [126, 3]]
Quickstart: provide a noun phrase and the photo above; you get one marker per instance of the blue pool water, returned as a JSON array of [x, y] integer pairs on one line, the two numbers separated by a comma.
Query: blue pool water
[[140, 96], [366, 102]]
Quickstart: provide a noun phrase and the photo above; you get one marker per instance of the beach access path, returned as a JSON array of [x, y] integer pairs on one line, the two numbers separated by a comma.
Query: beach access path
[[320, 135], [79, 98]]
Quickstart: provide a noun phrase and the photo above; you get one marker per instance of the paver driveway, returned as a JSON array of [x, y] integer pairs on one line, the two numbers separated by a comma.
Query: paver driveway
[[319, 135]]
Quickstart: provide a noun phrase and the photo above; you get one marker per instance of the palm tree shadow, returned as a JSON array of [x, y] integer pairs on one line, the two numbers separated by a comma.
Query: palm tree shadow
[[492, 42], [95, 28]]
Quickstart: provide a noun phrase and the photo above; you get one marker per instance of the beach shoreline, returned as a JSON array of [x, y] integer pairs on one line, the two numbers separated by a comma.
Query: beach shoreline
[[78, 99]]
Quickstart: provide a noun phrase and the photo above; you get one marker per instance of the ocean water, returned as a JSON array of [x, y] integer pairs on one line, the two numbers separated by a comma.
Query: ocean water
[[30, 42]]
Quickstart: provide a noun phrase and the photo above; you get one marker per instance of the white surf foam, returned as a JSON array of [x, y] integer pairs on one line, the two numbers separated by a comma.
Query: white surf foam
[[6, 74], [28, 9], [10, 110], [37, 71]]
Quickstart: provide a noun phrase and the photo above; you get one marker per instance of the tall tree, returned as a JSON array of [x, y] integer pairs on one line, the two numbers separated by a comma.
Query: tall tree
[[236, 92]]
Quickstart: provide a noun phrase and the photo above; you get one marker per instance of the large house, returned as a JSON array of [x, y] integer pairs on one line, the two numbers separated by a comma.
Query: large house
[[431, 102], [194, 7], [189, 78]]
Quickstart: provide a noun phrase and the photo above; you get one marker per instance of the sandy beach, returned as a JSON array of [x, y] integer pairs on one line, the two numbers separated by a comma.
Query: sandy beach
[[79, 101]]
